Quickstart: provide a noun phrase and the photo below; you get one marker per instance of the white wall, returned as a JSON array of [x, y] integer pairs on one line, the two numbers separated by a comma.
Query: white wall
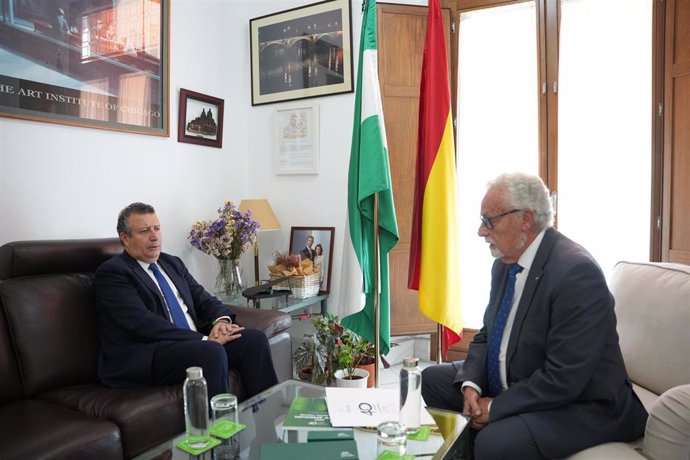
[[69, 182]]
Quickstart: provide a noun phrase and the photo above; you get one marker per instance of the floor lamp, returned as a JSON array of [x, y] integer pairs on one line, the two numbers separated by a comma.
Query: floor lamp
[[263, 214]]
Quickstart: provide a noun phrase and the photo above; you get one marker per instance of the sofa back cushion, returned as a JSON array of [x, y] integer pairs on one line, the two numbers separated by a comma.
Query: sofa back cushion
[[48, 325], [53, 324], [653, 311]]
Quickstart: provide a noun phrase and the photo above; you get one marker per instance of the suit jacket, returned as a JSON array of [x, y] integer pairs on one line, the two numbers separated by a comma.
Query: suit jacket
[[307, 253], [133, 316], [565, 371]]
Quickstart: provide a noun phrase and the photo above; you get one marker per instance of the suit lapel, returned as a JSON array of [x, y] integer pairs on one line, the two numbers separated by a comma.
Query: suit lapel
[[146, 280], [534, 276]]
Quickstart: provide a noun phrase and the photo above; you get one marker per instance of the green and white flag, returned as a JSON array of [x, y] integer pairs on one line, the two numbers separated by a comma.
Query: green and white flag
[[369, 174]]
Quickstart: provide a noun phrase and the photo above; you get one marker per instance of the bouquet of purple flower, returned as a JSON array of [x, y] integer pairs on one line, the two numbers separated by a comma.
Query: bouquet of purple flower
[[226, 237]]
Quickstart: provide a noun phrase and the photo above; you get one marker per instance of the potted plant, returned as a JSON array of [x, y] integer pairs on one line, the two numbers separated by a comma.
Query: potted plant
[[317, 355], [351, 351], [310, 359]]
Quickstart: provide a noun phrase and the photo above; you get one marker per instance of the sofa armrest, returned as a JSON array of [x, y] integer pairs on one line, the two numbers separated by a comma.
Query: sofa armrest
[[271, 322], [667, 434]]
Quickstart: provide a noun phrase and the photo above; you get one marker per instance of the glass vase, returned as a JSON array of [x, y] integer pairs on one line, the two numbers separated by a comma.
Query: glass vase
[[229, 279]]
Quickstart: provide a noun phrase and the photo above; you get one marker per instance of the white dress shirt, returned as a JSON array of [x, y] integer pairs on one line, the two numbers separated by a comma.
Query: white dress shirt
[[180, 300]]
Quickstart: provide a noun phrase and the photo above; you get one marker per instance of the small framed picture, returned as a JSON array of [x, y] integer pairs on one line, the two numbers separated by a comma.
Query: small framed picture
[[201, 119], [315, 243], [297, 140]]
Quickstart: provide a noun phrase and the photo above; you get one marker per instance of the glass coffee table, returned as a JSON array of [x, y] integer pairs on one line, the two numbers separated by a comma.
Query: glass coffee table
[[264, 413]]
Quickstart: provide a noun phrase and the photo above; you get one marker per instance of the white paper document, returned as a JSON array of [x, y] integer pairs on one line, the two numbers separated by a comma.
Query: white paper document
[[365, 407]]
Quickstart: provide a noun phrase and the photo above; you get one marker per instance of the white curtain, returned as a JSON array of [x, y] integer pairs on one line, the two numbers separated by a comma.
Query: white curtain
[[497, 127], [604, 127]]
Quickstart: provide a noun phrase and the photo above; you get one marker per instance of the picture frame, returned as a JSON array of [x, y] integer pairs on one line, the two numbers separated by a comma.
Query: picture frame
[[200, 119], [321, 236], [297, 139], [91, 64], [302, 52]]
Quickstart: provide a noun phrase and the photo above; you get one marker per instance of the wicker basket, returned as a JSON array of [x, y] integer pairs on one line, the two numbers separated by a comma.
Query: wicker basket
[[302, 287]]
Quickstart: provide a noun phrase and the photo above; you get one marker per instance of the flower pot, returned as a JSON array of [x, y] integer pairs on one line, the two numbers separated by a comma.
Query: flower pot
[[370, 369], [358, 379], [305, 373]]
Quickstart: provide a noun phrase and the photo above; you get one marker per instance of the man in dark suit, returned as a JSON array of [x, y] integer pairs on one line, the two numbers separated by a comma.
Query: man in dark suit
[[156, 320], [544, 377], [308, 251]]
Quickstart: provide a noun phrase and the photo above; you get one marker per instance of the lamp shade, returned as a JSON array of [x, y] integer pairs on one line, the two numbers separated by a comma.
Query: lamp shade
[[262, 213]]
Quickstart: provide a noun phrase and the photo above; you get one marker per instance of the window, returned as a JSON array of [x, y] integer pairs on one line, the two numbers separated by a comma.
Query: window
[[497, 126], [602, 158]]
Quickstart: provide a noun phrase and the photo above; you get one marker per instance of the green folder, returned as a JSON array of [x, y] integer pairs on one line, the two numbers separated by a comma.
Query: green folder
[[324, 450]]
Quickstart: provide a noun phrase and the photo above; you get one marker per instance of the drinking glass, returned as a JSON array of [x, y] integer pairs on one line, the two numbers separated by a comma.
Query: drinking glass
[[392, 437]]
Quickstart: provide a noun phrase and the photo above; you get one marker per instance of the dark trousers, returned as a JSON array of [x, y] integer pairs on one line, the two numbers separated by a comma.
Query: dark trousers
[[508, 438], [249, 355]]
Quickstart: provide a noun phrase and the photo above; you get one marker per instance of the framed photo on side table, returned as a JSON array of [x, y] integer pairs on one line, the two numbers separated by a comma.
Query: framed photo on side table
[[93, 64], [200, 120], [297, 140], [302, 52], [315, 243]]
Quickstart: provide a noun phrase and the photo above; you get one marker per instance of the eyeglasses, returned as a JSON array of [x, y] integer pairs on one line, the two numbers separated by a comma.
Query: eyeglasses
[[489, 221]]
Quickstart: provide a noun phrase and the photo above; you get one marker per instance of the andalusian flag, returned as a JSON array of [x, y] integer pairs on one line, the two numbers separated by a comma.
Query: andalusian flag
[[369, 174], [434, 259]]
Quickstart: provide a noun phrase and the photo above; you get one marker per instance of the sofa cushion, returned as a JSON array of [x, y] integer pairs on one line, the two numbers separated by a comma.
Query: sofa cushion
[[610, 451], [28, 258], [37, 429], [653, 315], [146, 416], [668, 428], [54, 330]]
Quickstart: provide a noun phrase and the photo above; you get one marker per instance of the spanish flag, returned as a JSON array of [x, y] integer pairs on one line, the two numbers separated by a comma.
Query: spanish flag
[[434, 258]]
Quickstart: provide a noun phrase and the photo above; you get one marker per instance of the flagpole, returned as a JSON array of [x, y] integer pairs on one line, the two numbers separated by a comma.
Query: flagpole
[[377, 311]]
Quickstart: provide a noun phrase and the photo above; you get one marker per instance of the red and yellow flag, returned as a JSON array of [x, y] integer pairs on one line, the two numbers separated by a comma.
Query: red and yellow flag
[[434, 258]]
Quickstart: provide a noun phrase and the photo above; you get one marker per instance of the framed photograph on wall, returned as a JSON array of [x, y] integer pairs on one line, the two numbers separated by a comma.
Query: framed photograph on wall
[[315, 243], [94, 64], [300, 53], [297, 140], [200, 120]]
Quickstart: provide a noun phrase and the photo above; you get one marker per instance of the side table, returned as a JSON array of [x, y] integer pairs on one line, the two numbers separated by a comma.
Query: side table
[[287, 304]]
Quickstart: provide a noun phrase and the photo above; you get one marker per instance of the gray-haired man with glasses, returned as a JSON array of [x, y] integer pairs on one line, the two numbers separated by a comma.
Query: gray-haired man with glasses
[[544, 377]]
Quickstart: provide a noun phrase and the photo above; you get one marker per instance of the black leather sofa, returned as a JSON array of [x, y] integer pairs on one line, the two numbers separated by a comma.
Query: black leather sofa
[[51, 403]]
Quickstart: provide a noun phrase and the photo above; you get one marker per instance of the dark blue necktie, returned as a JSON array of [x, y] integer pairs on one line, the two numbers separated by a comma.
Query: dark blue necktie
[[173, 305], [497, 329]]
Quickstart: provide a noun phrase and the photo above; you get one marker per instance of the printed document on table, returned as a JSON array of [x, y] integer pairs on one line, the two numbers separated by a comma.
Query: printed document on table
[[362, 407], [367, 407]]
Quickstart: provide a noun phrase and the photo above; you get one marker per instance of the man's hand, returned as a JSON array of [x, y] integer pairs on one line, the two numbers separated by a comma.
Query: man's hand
[[476, 407], [223, 332]]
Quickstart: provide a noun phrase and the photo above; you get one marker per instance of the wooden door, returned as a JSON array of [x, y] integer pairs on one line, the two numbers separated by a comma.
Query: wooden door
[[401, 32], [676, 208]]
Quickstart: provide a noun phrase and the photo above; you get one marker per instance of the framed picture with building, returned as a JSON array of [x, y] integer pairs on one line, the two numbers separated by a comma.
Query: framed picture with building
[[302, 52], [93, 64], [200, 119]]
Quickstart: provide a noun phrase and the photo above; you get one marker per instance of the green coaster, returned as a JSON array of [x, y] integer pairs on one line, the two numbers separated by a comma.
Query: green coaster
[[393, 456], [212, 442], [225, 429], [422, 434]]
